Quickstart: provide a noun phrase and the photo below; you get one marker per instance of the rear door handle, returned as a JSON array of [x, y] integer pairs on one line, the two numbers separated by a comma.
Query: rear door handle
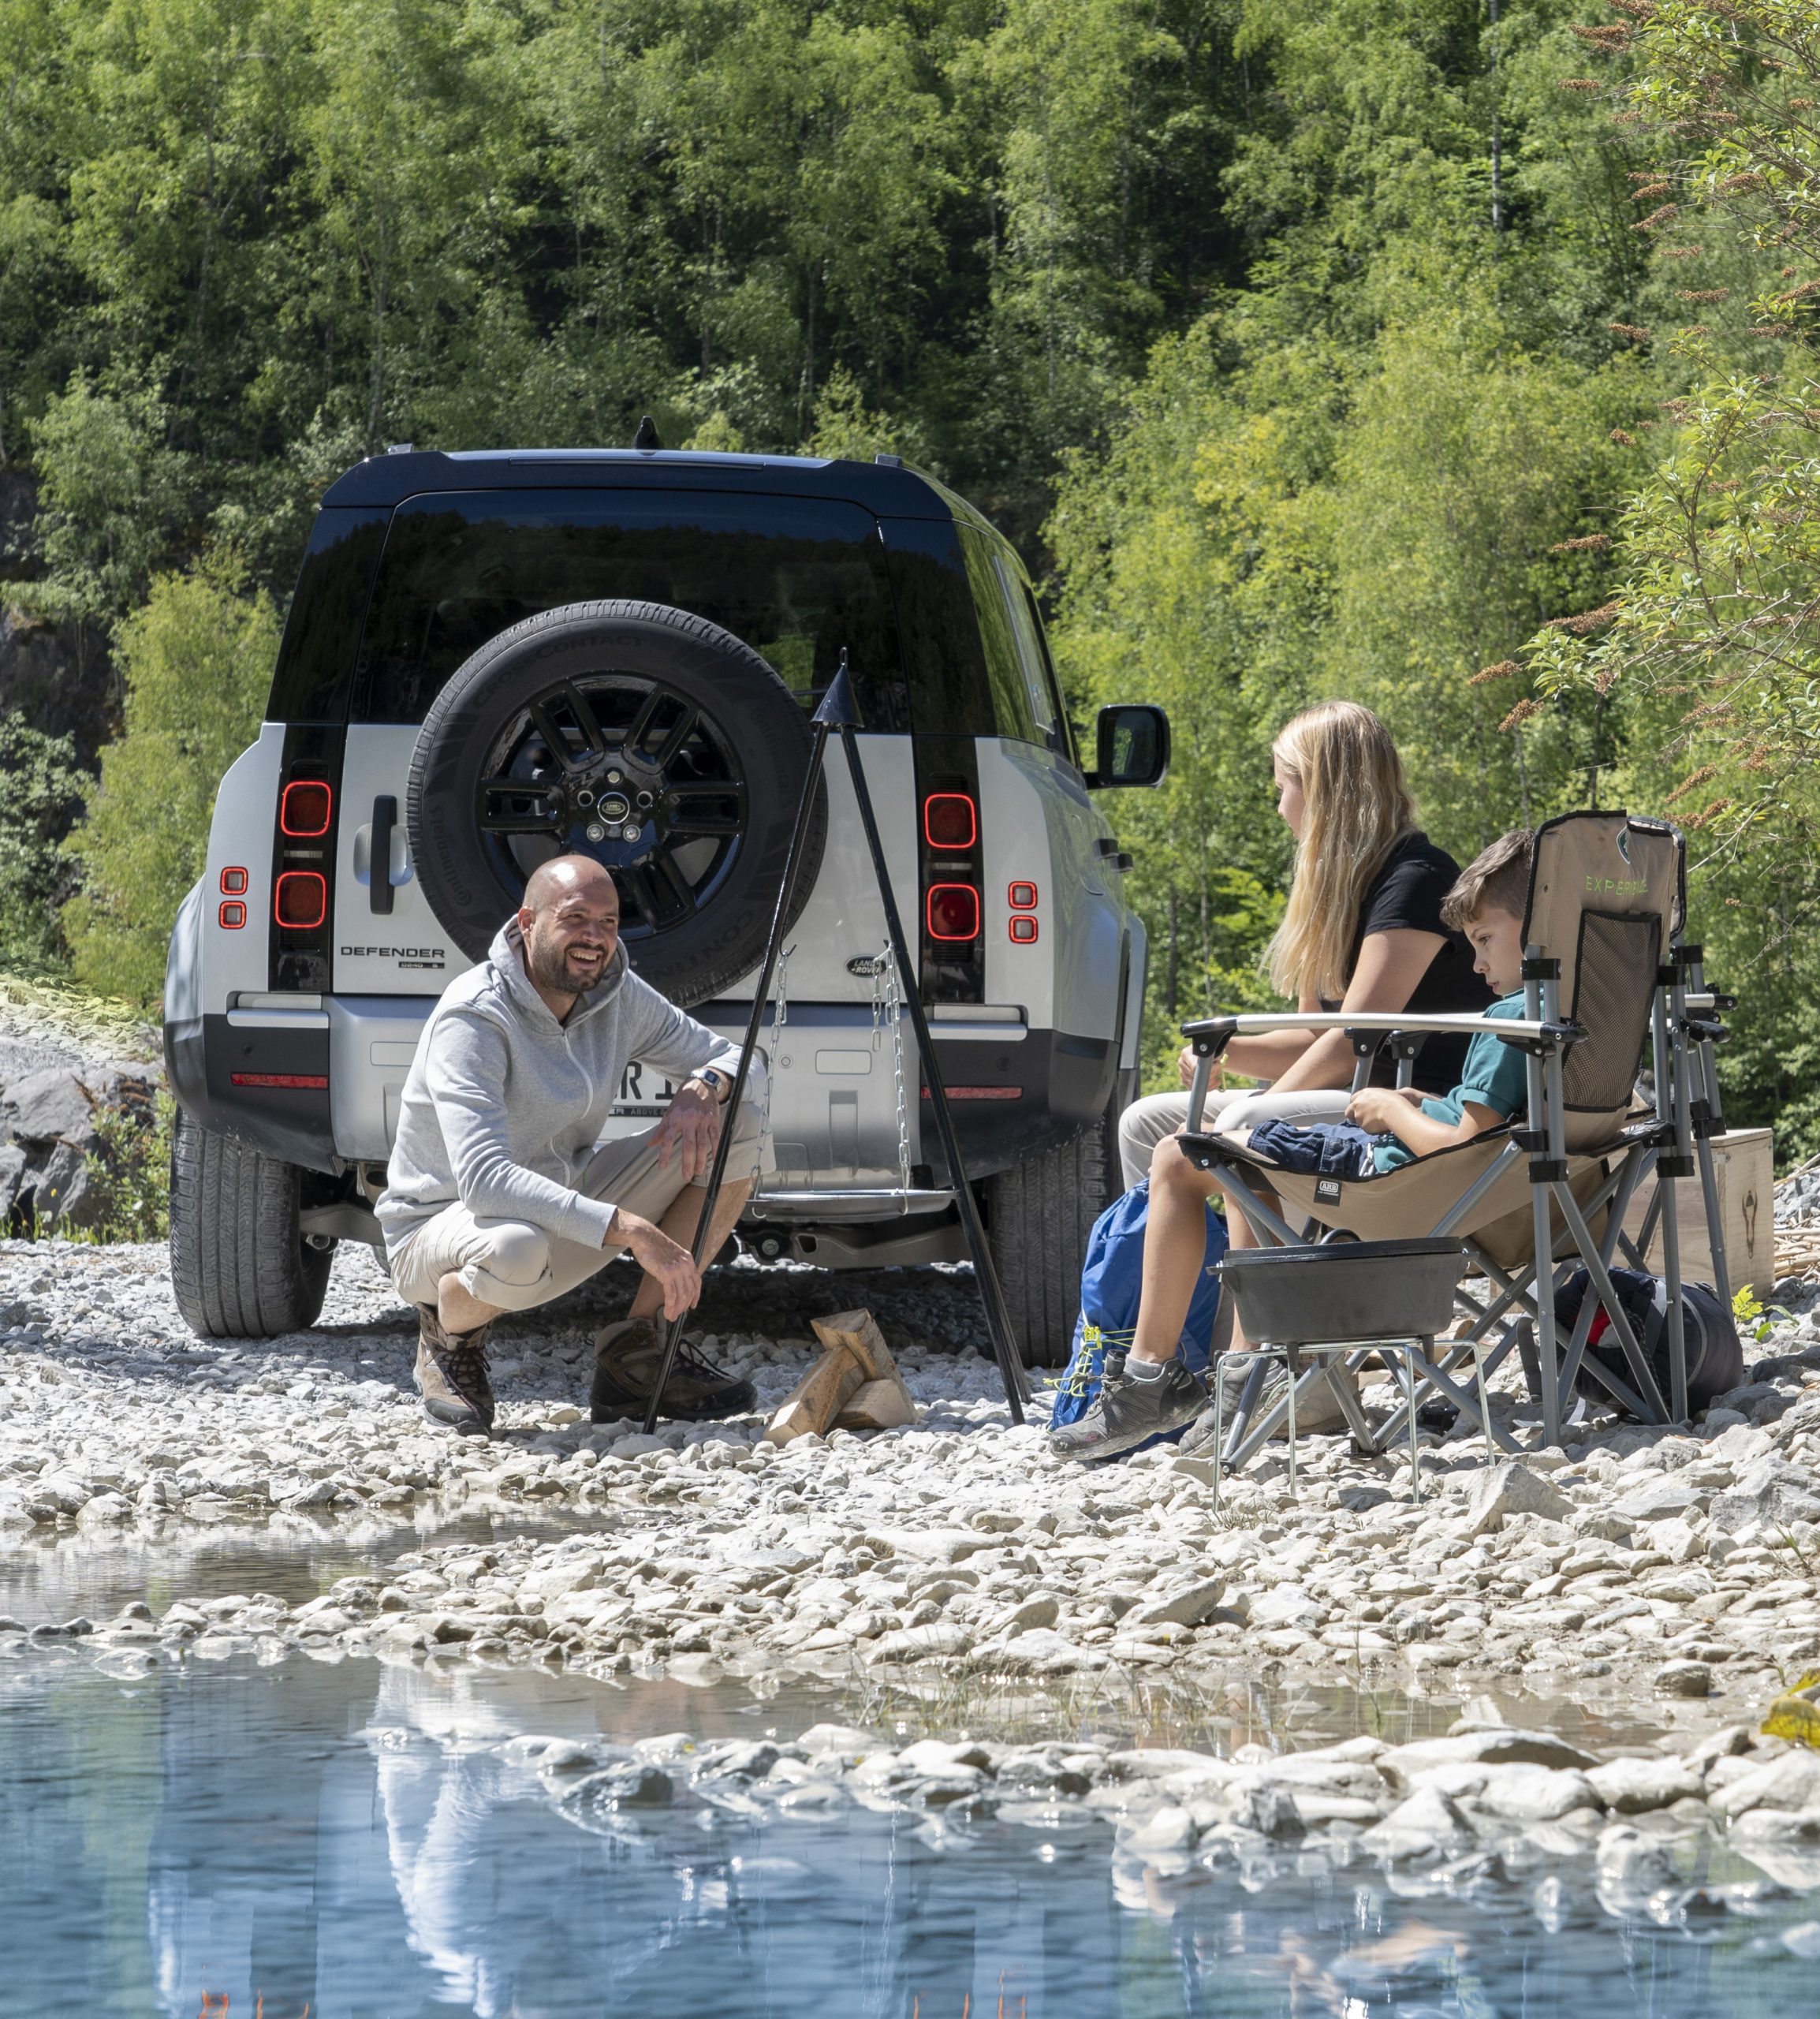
[[379, 876]]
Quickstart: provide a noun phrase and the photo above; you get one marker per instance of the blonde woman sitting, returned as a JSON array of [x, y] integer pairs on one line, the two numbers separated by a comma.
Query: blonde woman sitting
[[1363, 932]]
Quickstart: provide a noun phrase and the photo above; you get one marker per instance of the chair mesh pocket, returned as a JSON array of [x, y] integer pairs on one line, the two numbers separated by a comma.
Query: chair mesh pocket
[[1614, 976]]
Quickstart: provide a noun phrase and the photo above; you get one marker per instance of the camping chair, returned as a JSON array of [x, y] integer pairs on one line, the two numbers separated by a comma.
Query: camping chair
[[1601, 936]]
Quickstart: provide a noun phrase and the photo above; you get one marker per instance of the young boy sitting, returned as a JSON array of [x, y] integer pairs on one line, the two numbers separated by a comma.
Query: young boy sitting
[[1386, 1126], [1151, 1390]]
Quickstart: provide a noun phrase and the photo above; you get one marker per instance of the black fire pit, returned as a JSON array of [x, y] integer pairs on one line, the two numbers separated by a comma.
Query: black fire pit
[[1345, 1290]]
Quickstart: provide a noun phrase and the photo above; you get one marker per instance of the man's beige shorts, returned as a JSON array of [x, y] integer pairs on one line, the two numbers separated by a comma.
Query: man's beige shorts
[[517, 1267]]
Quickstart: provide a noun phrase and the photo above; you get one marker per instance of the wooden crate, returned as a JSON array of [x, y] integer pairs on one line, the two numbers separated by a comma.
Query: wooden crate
[[1744, 1170]]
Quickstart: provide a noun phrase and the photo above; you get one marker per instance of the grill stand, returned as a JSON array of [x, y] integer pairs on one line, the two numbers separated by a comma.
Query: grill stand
[[839, 715]]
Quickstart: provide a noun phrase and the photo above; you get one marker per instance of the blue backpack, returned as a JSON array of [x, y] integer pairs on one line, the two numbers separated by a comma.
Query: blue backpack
[[1110, 1284]]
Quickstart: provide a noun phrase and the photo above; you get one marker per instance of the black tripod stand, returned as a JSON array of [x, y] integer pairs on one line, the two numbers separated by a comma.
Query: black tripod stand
[[839, 714]]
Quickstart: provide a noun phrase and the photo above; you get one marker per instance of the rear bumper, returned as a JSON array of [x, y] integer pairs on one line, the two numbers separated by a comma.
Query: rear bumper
[[321, 1089], [1013, 1102], [268, 1089]]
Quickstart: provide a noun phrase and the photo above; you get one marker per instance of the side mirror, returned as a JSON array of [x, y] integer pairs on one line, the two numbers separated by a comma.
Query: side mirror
[[1131, 746]]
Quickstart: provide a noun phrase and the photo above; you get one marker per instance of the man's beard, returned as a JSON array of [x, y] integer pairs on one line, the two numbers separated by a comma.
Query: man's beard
[[549, 966]]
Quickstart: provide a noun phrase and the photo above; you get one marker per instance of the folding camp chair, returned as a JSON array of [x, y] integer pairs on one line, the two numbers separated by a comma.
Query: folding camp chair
[[1602, 935]]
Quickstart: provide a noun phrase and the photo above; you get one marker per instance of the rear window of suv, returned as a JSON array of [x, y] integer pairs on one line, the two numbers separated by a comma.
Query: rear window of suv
[[796, 579]]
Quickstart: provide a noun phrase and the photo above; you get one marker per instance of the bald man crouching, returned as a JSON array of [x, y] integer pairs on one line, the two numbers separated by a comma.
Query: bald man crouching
[[498, 1198]]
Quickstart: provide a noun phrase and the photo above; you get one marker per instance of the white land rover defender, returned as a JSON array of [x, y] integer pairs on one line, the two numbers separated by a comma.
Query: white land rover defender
[[493, 658]]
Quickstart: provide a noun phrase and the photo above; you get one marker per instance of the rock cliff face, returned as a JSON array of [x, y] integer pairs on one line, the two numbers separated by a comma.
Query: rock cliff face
[[60, 677]]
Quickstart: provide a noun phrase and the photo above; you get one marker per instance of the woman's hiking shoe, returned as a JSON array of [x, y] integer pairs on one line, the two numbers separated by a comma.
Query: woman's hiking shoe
[[627, 1356], [1126, 1411], [452, 1374]]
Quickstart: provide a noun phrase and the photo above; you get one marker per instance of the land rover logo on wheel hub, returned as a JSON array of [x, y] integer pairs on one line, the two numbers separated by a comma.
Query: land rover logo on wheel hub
[[614, 806]]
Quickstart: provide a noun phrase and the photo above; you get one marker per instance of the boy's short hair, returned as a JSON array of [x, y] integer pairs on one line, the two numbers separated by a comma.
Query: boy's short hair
[[1499, 875]]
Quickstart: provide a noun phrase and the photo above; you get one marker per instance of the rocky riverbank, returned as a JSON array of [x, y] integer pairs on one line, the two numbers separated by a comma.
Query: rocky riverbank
[[1670, 1576], [1681, 1565]]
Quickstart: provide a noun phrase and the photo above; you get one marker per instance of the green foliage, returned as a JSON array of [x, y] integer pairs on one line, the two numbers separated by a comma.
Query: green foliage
[[1290, 384], [128, 1170], [1706, 645], [197, 660], [1465, 461], [242, 241], [45, 786], [1350, 486], [1755, 1319], [843, 426], [112, 495]]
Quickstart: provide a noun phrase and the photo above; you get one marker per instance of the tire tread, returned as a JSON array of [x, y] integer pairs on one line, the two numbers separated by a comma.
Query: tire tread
[[239, 1265], [1041, 1214]]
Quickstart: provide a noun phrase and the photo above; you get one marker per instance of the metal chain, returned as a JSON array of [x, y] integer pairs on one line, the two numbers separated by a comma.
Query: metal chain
[[780, 1016], [894, 1010]]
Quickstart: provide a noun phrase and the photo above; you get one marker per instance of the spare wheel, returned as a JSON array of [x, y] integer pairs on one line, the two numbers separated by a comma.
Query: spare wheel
[[652, 741]]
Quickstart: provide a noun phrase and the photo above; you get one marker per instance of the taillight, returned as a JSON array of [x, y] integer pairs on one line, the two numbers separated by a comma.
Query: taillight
[[303, 865], [305, 807], [231, 913], [950, 820], [953, 911], [300, 899], [950, 869], [1022, 899]]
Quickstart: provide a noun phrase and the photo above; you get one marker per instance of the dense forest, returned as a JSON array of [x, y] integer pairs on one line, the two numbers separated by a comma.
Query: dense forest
[[1451, 355]]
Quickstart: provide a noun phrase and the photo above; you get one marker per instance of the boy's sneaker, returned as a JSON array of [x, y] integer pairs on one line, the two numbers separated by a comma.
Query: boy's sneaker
[[626, 1359], [1318, 1413], [451, 1375], [1126, 1411]]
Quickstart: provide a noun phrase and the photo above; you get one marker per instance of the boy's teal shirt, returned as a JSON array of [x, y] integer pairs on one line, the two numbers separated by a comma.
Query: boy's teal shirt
[[1497, 1077]]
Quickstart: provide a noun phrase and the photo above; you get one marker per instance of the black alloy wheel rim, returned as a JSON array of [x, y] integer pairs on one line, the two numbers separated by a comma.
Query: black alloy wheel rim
[[629, 771]]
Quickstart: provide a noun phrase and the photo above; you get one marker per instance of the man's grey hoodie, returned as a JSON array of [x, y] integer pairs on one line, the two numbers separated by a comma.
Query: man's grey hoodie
[[503, 1106]]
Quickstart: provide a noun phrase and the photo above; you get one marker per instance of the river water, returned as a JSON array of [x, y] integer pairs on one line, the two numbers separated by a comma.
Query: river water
[[349, 1840]]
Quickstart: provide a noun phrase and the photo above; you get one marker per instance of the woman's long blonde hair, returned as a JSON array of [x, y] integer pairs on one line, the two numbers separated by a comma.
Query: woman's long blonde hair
[[1358, 807]]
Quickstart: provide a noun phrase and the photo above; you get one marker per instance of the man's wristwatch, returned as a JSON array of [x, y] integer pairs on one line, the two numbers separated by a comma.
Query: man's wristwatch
[[715, 1080]]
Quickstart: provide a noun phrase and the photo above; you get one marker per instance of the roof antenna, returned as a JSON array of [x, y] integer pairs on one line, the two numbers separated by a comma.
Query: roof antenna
[[647, 436]]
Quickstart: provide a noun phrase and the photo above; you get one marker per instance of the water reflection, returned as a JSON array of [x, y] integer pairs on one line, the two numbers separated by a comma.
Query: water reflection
[[357, 1842]]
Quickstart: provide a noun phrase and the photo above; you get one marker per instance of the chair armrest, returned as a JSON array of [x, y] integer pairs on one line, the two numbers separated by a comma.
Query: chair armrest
[[1218, 1032]]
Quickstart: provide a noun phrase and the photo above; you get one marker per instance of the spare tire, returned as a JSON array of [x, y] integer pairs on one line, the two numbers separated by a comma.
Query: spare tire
[[655, 742]]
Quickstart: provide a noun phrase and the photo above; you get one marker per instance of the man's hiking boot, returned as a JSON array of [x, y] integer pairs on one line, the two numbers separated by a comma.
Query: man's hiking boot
[[625, 1368], [1126, 1411], [452, 1374]]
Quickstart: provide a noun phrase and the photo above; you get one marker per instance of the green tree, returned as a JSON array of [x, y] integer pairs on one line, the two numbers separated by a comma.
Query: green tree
[[1708, 638], [1466, 461], [197, 659], [45, 787], [110, 489]]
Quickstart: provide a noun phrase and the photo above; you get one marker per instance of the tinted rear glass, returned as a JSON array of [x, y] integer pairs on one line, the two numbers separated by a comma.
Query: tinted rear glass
[[797, 579], [316, 667], [938, 628], [1022, 693]]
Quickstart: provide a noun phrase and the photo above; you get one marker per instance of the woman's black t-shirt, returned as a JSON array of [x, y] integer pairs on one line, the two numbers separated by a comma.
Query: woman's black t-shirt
[[1405, 895]]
